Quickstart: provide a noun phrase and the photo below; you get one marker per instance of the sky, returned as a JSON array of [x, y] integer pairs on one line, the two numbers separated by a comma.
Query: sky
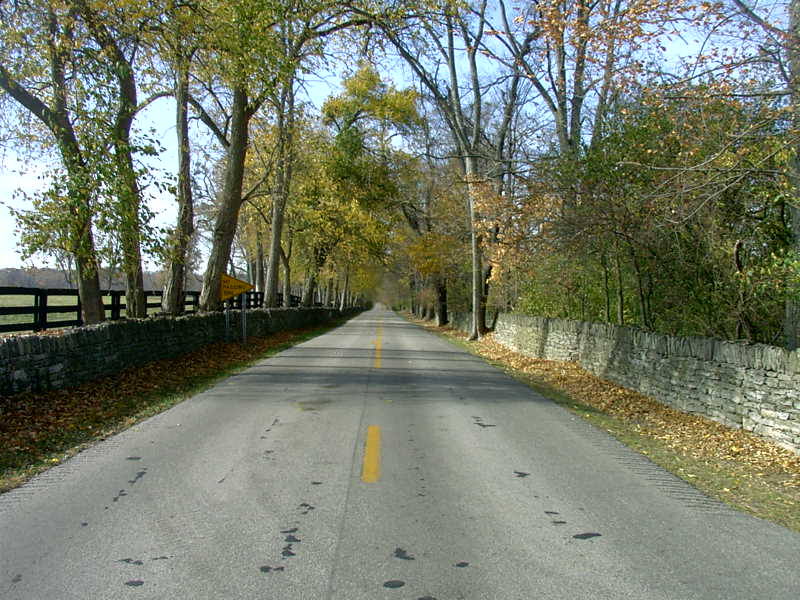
[[22, 174], [18, 173], [11, 180], [15, 175]]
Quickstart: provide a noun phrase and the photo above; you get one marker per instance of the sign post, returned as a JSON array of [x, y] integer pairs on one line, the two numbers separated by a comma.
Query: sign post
[[227, 324], [228, 288]]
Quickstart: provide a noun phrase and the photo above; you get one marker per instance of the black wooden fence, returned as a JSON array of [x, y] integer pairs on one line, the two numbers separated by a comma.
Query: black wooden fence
[[67, 315]]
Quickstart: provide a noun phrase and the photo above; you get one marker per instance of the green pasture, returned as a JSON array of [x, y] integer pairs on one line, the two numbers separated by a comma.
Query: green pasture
[[25, 300]]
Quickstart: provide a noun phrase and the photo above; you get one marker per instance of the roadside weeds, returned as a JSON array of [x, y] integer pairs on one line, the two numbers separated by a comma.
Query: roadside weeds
[[40, 430], [741, 469]]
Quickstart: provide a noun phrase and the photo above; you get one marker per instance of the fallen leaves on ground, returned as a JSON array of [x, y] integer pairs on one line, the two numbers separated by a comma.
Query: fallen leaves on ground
[[34, 426]]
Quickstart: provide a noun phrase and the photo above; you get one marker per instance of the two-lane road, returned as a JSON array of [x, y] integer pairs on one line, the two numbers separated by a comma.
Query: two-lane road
[[378, 461]]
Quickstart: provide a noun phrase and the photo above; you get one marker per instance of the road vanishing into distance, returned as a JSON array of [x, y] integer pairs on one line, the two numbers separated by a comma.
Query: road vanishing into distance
[[378, 462]]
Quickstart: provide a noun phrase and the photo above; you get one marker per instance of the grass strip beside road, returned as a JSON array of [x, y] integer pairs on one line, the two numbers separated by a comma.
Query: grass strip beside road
[[734, 466], [39, 430]]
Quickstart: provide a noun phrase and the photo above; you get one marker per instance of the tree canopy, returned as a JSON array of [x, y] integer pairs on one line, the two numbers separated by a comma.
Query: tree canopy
[[625, 161]]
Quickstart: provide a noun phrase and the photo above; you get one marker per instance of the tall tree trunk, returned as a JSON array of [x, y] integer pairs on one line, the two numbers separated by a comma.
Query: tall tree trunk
[[309, 288], [56, 117], [80, 234], [91, 301], [606, 287], [335, 295], [287, 275], [283, 176], [173, 300], [486, 275], [129, 195], [250, 261], [640, 287], [477, 271], [320, 256], [135, 303], [345, 289], [230, 202], [441, 302], [259, 275], [791, 321], [620, 290], [92, 310]]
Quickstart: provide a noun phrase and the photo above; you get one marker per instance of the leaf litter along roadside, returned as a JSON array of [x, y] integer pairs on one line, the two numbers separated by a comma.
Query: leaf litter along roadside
[[734, 466], [39, 430]]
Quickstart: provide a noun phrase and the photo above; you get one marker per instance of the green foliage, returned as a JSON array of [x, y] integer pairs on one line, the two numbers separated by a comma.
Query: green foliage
[[678, 215], [367, 97]]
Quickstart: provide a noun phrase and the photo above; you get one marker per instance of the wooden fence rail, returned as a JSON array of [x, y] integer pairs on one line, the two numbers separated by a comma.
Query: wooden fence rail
[[40, 304]]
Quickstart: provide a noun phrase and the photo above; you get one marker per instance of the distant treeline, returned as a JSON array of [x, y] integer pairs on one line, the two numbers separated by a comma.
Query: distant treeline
[[59, 279]]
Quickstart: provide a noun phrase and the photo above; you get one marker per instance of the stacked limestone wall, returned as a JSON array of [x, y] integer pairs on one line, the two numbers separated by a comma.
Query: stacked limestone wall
[[44, 362], [751, 386]]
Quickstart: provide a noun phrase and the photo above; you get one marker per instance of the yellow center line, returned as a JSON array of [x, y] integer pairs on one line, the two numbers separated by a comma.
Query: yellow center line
[[371, 470], [378, 344]]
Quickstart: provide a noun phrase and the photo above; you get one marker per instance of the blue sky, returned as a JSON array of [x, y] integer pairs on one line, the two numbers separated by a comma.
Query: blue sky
[[22, 174], [160, 116]]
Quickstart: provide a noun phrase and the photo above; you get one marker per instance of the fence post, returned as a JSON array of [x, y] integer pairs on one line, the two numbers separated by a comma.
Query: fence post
[[194, 301], [40, 318], [116, 304]]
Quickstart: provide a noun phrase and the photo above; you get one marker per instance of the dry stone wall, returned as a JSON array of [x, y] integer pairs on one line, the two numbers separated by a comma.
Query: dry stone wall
[[750, 386], [45, 362]]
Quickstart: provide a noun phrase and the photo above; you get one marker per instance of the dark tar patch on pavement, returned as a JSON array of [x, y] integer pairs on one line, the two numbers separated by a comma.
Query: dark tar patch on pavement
[[402, 554], [268, 569]]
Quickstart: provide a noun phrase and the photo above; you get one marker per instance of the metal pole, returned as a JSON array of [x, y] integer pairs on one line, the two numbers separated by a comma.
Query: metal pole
[[227, 324]]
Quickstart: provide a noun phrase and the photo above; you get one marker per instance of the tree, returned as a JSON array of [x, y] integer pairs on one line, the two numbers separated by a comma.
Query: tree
[[781, 47], [303, 33], [91, 99], [438, 222], [333, 215], [259, 48], [125, 182], [179, 35], [41, 40], [447, 38], [284, 154], [244, 57], [680, 228]]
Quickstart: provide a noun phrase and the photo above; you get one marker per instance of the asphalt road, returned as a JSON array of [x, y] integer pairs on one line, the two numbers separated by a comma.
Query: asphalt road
[[374, 462]]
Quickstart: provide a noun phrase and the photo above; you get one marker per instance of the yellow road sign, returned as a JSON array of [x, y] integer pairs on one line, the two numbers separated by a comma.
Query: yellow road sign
[[230, 287]]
